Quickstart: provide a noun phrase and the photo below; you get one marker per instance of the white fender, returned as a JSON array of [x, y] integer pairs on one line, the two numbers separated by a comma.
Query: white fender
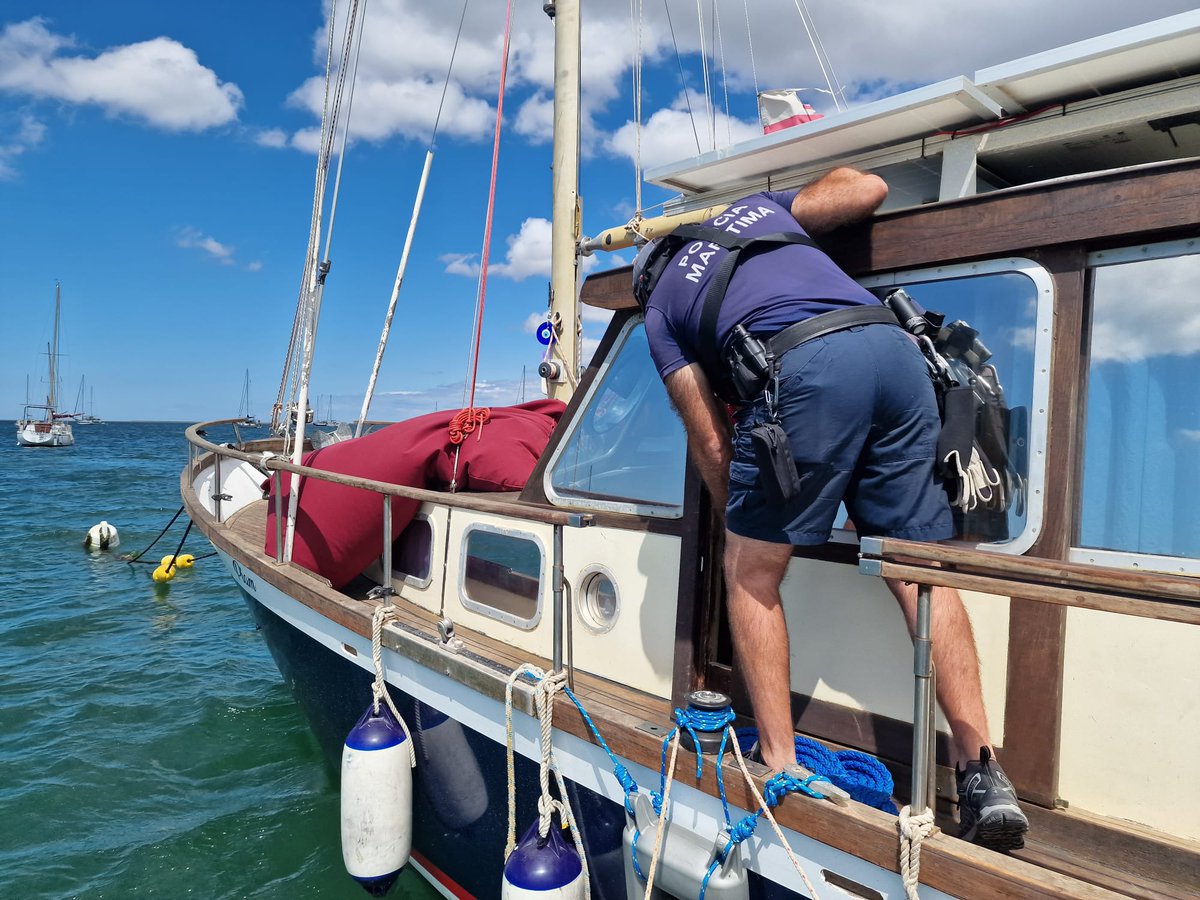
[[543, 870], [376, 800], [102, 537]]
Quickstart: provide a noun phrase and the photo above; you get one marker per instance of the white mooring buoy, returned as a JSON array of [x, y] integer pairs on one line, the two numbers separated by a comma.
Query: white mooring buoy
[[376, 800], [102, 537]]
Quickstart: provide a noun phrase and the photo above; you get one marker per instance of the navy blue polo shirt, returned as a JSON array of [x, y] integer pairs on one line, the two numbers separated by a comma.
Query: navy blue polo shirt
[[769, 290]]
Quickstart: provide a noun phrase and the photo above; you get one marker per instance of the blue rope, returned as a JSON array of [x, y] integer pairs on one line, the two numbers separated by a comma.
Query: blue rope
[[860, 775], [622, 774]]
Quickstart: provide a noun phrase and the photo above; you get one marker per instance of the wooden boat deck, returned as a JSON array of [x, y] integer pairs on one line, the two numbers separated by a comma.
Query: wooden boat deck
[[1068, 853]]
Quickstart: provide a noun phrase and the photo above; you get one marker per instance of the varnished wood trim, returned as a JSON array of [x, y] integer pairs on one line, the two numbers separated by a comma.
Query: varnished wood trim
[[1161, 198]]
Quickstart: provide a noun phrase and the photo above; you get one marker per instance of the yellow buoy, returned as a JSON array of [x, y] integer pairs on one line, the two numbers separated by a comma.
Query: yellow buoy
[[185, 560], [164, 573]]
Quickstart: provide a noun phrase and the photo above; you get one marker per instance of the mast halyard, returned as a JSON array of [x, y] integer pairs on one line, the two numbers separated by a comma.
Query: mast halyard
[[566, 208]]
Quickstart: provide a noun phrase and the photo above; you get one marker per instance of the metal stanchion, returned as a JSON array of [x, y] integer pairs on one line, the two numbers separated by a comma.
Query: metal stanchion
[[557, 613], [216, 491], [923, 699]]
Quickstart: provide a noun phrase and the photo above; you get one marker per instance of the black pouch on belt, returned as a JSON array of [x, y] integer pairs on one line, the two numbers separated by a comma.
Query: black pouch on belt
[[776, 467]]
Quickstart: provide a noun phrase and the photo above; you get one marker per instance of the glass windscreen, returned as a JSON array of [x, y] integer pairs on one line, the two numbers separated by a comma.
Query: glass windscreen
[[1141, 457], [628, 447]]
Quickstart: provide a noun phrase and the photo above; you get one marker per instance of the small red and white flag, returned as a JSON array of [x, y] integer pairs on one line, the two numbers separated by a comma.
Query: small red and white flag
[[783, 109]]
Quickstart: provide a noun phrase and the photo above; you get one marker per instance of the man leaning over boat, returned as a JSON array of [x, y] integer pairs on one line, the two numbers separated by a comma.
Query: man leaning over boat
[[833, 404]]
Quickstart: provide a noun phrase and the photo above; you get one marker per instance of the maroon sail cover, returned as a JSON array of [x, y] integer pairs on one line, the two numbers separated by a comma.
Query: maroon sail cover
[[338, 528]]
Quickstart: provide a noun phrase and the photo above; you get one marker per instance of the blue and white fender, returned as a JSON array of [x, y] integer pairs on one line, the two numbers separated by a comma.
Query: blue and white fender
[[543, 869], [376, 800]]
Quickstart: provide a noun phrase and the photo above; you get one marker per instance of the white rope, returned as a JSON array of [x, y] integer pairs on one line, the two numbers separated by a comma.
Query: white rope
[[543, 695], [913, 831], [382, 613], [662, 817], [762, 804]]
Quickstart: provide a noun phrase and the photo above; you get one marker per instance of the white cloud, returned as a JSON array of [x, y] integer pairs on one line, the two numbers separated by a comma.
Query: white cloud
[[159, 81], [528, 255], [254, 265], [191, 238], [465, 264], [673, 134], [27, 133], [1158, 295], [275, 138]]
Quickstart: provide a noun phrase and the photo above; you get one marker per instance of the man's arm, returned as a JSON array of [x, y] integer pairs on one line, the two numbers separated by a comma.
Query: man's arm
[[840, 198], [707, 428]]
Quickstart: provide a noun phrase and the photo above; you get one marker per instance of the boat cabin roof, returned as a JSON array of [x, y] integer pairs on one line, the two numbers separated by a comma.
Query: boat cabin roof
[[1120, 99]]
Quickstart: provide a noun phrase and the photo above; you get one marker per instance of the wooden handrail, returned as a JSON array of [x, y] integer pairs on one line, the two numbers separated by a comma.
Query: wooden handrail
[[474, 501], [1151, 595]]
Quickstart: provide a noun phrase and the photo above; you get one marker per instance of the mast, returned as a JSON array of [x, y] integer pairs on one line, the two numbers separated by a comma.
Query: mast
[[52, 400], [566, 212]]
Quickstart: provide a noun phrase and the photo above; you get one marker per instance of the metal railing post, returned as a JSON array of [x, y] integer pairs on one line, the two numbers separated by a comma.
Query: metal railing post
[[557, 581], [922, 757], [216, 492], [387, 543]]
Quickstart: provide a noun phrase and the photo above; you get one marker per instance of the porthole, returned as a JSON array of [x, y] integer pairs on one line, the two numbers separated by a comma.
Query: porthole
[[598, 602]]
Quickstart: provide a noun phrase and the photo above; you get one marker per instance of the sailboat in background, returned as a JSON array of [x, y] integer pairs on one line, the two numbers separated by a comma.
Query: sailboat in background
[[247, 418], [86, 415], [41, 425]]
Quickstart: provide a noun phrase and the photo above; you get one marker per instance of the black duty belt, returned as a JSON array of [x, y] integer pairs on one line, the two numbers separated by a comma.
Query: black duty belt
[[827, 323]]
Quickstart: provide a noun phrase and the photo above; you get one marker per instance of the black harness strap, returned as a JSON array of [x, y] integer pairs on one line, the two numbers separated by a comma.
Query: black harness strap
[[717, 288]]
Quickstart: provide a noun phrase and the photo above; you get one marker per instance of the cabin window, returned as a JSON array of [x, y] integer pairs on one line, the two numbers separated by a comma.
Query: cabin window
[[627, 449], [1009, 303], [1141, 453], [501, 575], [412, 552]]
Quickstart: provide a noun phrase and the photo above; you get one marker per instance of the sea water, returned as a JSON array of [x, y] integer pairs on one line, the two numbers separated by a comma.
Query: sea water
[[148, 746]]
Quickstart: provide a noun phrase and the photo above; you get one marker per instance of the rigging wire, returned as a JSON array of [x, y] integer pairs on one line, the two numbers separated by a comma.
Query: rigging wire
[[291, 359], [840, 90], [719, 38], [750, 42], [682, 79], [638, 18], [412, 227], [712, 121], [469, 404], [810, 29]]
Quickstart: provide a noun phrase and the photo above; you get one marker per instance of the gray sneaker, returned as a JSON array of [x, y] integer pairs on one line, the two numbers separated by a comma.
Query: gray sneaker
[[988, 813]]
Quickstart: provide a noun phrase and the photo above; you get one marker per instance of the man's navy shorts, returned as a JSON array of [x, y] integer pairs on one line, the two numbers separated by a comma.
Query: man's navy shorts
[[859, 410]]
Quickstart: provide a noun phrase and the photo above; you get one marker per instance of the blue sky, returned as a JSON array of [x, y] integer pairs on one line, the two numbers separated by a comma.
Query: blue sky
[[157, 159]]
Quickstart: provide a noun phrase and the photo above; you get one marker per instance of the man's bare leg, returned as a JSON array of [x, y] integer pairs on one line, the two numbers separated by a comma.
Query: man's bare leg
[[753, 571], [959, 690]]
